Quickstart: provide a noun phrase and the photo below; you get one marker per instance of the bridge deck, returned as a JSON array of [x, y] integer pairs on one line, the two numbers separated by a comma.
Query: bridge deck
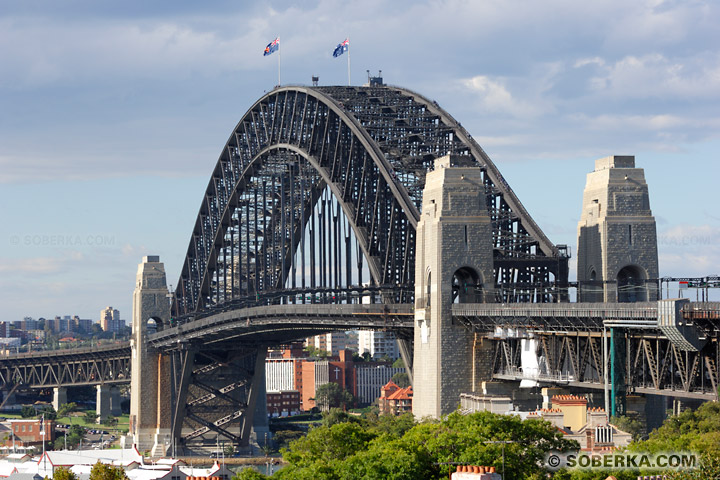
[[282, 323], [557, 316]]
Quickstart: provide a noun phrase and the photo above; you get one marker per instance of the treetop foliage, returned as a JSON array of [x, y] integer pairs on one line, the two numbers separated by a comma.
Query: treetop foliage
[[387, 447], [101, 471]]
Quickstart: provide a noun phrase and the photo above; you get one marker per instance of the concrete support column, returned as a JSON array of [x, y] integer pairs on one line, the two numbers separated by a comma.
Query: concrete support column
[[59, 397], [115, 402], [102, 405]]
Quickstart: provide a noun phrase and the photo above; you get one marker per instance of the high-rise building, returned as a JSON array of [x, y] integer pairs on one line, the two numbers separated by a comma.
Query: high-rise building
[[378, 344], [110, 320], [83, 325], [28, 323], [331, 342], [62, 324]]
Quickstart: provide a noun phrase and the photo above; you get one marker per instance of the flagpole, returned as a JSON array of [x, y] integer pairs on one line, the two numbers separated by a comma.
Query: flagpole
[[348, 61], [279, 50]]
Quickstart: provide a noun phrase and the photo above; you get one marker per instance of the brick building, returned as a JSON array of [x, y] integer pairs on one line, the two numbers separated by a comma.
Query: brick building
[[315, 373], [283, 403], [29, 432]]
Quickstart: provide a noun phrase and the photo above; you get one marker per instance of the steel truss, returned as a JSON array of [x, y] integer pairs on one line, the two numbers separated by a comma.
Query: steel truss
[[652, 363], [215, 394], [322, 187], [319, 189], [82, 366]]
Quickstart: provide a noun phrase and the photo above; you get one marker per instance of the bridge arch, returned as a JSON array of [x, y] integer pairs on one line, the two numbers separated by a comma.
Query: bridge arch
[[631, 284], [370, 148], [467, 286]]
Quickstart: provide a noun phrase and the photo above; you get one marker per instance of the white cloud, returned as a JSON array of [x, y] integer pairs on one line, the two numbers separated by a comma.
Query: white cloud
[[656, 75], [31, 266], [692, 250]]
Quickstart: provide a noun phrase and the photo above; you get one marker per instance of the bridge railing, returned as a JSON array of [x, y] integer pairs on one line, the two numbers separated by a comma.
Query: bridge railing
[[379, 294]]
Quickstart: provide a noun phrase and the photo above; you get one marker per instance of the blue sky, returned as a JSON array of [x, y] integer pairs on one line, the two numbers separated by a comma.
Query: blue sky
[[113, 115]]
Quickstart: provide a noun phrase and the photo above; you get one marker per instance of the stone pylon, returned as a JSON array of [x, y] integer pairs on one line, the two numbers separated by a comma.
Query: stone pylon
[[617, 238], [454, 264], [150, 404]]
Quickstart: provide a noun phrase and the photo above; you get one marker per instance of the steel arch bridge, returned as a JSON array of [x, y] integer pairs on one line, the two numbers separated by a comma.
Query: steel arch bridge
[[316, 198], [321, 188]]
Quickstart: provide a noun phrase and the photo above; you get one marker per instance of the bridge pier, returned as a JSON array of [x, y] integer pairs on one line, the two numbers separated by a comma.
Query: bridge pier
[[454, 264], [102, 401], [107, 401], [150, 406], [115, 399], [59, 397]]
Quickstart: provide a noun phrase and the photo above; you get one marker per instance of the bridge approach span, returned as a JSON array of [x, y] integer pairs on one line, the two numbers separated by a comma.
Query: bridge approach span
[[278, 324], [57, 368]]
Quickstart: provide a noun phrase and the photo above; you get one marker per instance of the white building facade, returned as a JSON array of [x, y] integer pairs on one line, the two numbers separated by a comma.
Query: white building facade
[[378, 344], [370, 378]]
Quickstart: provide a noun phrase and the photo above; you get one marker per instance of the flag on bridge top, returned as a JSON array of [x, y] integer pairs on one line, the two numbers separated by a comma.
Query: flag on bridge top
[[341, 48], [271, 47]]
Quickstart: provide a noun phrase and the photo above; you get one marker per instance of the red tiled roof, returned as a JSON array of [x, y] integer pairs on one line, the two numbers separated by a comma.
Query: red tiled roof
[[389, 386], [401, 394]]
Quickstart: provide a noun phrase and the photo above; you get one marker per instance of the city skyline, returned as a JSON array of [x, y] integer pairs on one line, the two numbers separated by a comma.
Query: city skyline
[[114, 118]]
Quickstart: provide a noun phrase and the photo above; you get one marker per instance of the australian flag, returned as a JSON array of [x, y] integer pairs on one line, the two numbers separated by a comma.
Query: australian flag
[[341, 48], [271, 47]]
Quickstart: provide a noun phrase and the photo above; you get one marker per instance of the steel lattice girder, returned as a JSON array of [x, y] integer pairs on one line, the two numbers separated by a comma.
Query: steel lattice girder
[[370, 147], [653, 364], [68, 367]]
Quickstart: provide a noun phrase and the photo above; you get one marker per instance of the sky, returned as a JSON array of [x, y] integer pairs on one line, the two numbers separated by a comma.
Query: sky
[[113, 115]]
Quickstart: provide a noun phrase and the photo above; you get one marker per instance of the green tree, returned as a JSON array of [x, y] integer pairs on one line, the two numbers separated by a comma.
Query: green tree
[[282, 438], [228, 450], [101, 471], [468, 439], [336, 415], [386, 459], [48, 412], [249, 473], [316, 352], [110, 421], [395, 426], [90, 416], [695, 431], [62, 473], [709, 468], [399, 363], [28, 411], [631, 425], [74, 435], [332, 395], [401, 379], [325, 446], [66, 409], [400, 449]]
